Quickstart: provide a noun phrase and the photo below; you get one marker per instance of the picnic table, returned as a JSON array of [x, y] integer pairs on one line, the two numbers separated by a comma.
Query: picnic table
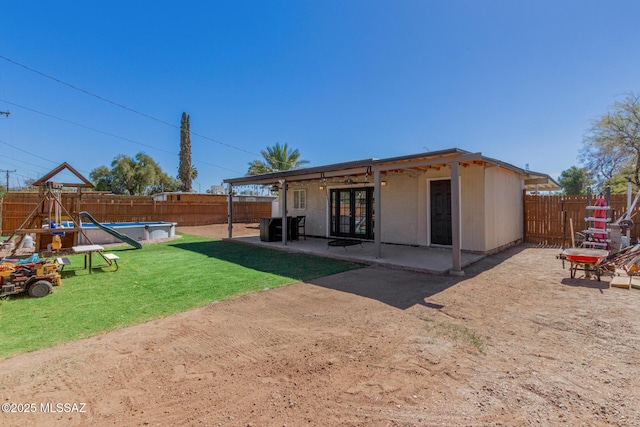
[[88, 251]]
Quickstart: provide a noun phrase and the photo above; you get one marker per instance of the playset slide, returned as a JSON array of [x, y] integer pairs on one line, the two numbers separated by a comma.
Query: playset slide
[[111, 231]]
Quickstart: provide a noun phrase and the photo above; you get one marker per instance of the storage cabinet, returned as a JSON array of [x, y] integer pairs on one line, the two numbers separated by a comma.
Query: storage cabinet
[[271, 229]]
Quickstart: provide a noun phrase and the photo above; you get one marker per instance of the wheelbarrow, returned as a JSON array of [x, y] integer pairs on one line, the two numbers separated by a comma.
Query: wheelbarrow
[[585, 259]]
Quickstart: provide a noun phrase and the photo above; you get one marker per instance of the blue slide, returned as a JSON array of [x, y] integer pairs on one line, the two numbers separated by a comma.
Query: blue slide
[[111, 231]]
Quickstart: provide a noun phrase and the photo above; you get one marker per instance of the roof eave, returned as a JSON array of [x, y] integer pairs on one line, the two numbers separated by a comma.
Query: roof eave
[[269, 178], [365, 165]]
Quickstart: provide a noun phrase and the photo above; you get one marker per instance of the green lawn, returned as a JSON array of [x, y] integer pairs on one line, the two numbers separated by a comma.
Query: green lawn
[[159, 280]]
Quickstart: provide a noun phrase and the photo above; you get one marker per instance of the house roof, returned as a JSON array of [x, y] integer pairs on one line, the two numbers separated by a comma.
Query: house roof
[[415, 162]]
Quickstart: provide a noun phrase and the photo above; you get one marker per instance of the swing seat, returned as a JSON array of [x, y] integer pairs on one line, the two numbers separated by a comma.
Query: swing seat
[[56, 242]]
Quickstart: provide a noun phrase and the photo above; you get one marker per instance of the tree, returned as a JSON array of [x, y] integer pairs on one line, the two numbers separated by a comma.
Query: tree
[[186, 171], [102, 178], [574, 181], [618, 184], [276, 158], [164, 183], [612, 145], [134, 176]]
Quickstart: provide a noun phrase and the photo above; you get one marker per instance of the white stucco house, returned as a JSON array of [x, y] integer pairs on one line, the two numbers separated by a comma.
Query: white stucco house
[[452, 198]]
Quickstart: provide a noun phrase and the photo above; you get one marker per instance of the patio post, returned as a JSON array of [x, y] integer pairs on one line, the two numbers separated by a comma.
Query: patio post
[[377, 228], [230, 211], [629, 208], [456, 231], [284, 211]]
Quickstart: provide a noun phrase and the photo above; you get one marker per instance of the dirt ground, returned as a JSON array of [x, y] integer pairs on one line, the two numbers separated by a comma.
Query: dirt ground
[[219, 231], [515, 342]]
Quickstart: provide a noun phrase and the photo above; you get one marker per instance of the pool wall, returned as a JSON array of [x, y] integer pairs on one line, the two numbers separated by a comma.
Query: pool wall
[[140, 231]]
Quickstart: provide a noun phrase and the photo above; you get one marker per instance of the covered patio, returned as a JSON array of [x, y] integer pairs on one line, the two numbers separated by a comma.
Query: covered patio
[[436, 211], [421, 258]]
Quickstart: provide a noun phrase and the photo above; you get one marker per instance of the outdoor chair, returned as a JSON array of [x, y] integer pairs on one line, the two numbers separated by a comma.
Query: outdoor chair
[[301, 226]]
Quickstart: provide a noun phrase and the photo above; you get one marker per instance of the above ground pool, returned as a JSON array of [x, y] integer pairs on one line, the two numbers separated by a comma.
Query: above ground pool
[[139, 231]]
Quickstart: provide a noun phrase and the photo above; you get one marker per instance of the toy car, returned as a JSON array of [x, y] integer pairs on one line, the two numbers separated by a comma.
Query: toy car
[[37, 278]]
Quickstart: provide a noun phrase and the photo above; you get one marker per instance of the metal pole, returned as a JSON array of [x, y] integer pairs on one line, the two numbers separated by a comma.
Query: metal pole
[[377, 227], [607, 194], [230, 211], [456, 228], [284, 212], [7, 172], [564, 225], [587, 223], [629, 191]]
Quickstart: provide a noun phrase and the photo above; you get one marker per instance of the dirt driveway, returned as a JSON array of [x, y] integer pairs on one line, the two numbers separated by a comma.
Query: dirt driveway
[[515, 342]]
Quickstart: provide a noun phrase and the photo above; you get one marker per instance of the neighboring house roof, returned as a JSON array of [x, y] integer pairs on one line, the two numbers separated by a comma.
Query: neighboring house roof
[[416, 162]]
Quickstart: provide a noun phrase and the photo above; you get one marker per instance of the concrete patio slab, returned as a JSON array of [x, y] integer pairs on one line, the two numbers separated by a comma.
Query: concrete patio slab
[[416, 258]]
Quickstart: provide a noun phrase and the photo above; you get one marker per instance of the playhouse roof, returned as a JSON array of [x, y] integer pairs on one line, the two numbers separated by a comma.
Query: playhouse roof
[[47, 177]]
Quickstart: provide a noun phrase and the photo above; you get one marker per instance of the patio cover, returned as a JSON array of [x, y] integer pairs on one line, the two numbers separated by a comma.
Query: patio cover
[[453, 158]]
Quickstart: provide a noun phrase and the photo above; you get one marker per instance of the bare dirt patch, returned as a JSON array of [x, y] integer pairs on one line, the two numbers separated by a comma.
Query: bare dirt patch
[[221, 231], [515, 342]]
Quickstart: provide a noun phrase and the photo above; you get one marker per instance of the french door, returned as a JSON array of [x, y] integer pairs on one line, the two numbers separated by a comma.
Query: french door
[[352, 212]]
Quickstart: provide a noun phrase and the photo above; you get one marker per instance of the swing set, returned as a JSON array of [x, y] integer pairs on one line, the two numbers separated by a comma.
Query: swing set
[[54, 226]]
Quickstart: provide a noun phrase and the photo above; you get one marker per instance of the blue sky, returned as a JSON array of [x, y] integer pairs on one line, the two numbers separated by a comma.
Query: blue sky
[[520, 81]]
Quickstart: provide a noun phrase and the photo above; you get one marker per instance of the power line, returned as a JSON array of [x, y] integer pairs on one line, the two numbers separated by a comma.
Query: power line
[[26, 152], [109, 134], [21, 163], [31, 154], [217, 141], [120, 105], [83, 126], [85, 91]]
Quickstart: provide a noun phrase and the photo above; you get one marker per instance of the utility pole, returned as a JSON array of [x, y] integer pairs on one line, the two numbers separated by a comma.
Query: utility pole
[[6, 113], [8, 172]]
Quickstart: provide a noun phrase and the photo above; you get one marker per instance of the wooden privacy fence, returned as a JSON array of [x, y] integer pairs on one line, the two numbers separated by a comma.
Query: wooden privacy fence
[[110, 208], [544, 217]]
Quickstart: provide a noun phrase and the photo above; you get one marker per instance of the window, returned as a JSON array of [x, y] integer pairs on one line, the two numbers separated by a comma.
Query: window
[[300, 199]]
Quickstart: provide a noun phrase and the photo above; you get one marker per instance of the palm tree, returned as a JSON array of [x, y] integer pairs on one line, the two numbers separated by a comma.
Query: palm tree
[[276, 158]]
